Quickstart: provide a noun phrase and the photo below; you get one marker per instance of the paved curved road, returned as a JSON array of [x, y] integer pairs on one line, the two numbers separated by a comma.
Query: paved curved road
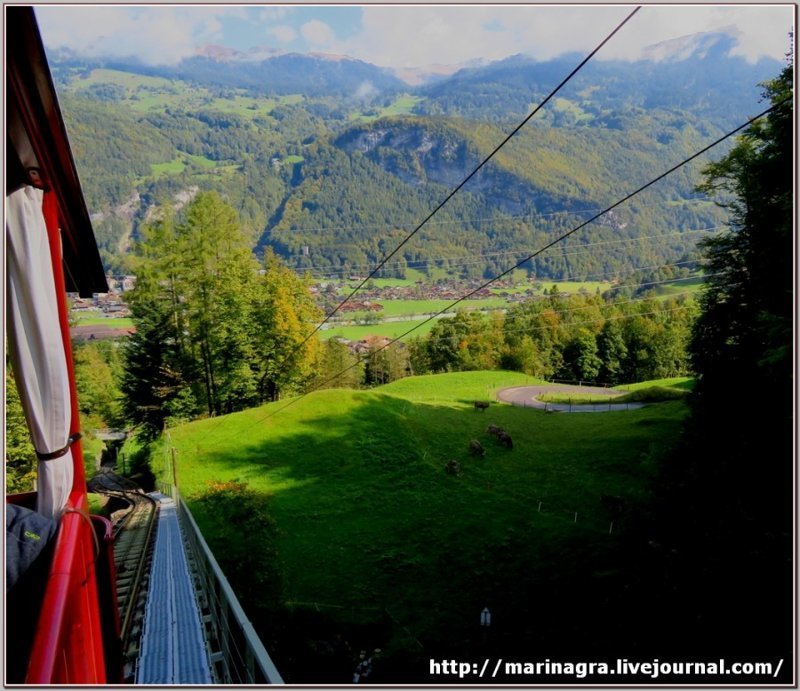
[[528, 397]]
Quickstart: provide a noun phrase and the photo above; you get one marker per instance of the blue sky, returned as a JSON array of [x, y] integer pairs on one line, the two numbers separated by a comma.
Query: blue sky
[[404, 36]]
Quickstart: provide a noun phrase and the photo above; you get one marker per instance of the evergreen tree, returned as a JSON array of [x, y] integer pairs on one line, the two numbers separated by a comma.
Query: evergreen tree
[[333, 359], [218, 272], [612, 351], [213, 334], [732, 478], [744, 331], [158, 362]]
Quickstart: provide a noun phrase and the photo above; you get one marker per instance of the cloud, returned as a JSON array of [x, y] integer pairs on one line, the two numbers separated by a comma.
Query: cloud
[[318, 34], [273, 14], [365, 91], [759, 30], [283, 33], [416, 36], [412, 36], [155, 35]]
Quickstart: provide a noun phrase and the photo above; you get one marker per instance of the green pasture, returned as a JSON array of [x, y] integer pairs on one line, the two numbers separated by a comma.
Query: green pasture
[[412, 277], [653, 391], [126, 80], [685, 383], [566, 106], [369, 522], [178, 164], [388, 329], [398, 308], [173, 167], [144, 94], [590, 287], [96, 319], [393, 282], [402, 105], [691, 286], [545, 286]]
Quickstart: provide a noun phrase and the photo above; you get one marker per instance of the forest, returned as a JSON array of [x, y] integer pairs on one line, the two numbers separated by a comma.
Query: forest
[[330, 182], [226, 199]]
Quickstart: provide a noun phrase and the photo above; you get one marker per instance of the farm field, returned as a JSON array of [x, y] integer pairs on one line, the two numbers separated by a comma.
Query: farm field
[[388, 329], [145, 93], [574, 286], [402, 105], [94, 319], [376, 542], [397, 308]]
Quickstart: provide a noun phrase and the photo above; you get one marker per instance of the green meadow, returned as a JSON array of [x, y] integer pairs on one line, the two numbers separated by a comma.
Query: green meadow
[[93, 319], [178, 165], [142, 94], [402, 105], [397, 308], [388, 329], [375, 540], [653, 391]]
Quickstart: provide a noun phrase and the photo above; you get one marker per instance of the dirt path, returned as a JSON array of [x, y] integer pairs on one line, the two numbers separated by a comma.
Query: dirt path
[[528, 397]]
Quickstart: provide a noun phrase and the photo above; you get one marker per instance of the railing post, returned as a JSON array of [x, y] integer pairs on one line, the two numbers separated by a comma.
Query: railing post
[[245, 662]]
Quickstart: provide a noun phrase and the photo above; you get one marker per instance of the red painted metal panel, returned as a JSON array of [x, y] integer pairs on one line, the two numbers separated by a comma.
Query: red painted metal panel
[[68, 646]]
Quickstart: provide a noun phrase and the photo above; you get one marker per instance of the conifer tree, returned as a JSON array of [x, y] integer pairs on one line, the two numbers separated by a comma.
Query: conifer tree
[[744, 331]]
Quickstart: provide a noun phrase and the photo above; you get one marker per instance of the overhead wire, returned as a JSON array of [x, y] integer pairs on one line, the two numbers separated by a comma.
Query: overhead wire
[[541, 250], [381, 264], [474, 172], [536, 253], [579, 249], [508, 318], [485, 219], [606, 275], [528, 329], [361, 360]]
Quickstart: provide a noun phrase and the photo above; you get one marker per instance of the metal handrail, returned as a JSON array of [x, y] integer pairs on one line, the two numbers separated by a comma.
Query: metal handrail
[[242, 657]]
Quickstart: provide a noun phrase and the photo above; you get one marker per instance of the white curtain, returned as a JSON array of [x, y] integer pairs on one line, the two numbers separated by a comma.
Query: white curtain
[[35, 344]]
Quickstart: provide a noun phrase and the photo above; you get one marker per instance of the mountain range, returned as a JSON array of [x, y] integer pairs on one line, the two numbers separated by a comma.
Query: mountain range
[[330, 160]]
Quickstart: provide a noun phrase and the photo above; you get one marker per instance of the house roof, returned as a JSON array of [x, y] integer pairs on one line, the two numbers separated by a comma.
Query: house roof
[[38, 150]]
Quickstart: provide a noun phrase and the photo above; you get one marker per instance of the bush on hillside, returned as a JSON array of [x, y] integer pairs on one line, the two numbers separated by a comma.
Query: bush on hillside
[[235, 521]]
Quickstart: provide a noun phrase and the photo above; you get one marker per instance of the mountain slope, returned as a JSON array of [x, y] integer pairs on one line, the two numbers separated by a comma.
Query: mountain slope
[[391, 173], [695, 74], [333, 186]]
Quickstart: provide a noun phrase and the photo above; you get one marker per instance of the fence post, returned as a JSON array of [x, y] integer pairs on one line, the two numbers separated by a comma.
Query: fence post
[[174, 467], [576, 517], [611, 528], [540, 507]]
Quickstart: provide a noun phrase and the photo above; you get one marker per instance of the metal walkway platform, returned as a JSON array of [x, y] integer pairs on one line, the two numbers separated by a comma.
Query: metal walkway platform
[[173, 648]]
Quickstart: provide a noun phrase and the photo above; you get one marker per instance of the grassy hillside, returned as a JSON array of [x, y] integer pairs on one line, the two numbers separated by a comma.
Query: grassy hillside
[[379, 547]]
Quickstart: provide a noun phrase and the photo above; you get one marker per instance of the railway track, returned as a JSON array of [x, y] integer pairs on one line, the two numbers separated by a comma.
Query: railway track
[[133, 520]]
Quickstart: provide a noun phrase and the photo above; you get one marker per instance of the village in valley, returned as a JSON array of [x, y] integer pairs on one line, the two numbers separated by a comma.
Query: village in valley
[[107, 315]]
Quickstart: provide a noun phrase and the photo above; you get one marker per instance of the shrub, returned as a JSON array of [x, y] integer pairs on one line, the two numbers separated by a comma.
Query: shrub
[[235, 521]]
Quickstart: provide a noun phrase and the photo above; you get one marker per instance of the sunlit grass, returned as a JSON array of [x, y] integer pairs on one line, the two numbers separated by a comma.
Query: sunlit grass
[[362, 473]]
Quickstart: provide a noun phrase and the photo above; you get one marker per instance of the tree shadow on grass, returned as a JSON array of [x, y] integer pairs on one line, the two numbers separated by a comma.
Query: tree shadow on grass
[[368, 518]]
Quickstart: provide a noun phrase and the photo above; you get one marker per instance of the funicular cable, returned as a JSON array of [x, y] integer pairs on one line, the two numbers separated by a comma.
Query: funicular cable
[[549, 245]]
